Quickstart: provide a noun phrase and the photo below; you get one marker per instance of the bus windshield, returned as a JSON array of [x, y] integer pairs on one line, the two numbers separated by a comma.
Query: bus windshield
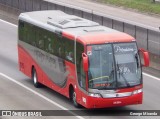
[[127, 64], [113, 66]]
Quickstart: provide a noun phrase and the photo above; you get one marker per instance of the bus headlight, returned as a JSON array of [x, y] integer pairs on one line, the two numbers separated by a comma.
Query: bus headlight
[[137, 91], [96, 95]]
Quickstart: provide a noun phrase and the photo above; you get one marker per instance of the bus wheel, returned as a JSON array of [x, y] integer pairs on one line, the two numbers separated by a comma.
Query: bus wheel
[[35, 79], [74, 100]]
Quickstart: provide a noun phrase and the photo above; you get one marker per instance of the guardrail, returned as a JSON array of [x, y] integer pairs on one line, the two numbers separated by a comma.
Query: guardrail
[[147, 37]]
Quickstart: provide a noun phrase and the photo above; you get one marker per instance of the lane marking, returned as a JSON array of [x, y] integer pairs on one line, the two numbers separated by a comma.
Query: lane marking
[[151, 76], [8, 23], [40, 95]]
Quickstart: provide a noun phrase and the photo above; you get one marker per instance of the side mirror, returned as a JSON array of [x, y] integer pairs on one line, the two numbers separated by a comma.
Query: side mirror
[[85, 62], [145, 57]]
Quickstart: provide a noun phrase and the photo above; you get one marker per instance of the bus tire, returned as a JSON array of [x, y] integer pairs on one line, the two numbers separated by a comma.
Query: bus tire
[[74, 100], [35, 79]]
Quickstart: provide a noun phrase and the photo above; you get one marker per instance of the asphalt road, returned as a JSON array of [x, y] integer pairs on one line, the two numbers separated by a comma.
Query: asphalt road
[[18, 93]]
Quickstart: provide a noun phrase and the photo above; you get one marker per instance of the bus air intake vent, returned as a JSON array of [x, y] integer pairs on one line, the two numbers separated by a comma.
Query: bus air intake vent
[[71, 22], [94, 30], [64, 22], [76, 19]]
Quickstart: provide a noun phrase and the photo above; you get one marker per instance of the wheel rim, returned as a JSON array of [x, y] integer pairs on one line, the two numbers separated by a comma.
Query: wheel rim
[[35, 78], [74, 98]]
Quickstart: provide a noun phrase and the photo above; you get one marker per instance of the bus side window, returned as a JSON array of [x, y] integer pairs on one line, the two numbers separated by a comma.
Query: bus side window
[[69, 49], [61, 48], [39, 38], [21, 30], [26, 32], [51, 45], [80, 73], [55, 44], [31, 34], [48, 42]]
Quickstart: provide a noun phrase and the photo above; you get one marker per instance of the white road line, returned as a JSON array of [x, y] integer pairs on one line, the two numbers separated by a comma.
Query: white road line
[[40, 95], [8, 23], [151, 76]]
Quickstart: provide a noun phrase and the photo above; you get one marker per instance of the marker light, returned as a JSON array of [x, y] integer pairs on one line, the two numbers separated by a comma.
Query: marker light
[[137, 91], [96, 95]]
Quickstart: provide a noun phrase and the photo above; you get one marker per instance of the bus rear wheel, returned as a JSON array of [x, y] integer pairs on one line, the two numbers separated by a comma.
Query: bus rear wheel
[[35, 79]]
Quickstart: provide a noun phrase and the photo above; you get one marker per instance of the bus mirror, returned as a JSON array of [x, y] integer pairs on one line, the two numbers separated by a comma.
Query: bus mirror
[[85, 62], [145, 57]]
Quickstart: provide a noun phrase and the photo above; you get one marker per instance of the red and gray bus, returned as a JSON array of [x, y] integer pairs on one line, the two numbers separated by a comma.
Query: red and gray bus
[[93, 65]]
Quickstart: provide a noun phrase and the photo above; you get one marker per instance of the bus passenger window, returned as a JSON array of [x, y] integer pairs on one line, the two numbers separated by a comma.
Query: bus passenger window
[[80, 72], [21, 30], [49, 45], [70, 56], [69, 49]]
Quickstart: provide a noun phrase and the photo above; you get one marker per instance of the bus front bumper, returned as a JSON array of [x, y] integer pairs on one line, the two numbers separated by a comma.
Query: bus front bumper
[[94, 102]]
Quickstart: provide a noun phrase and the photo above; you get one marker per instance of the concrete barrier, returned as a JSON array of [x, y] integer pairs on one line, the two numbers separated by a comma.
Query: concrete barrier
[[154, 42], [118, 25], [69, 10], [15, 4], [9, 2], [60, 7], [29, 5], [87, 15], [78, 12], [37, 5], [52, 7], [44, 5], [141, 37], [130, 29], [22, 5], [3, 2], [98, 19], [108, 22]]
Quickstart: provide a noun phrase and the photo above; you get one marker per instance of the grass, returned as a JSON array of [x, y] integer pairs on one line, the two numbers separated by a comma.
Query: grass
[[141, 5]]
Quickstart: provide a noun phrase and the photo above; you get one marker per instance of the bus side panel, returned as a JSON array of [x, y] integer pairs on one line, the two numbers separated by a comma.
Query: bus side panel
[[71, 77], [26, 62], [26, 59], [70, 69]]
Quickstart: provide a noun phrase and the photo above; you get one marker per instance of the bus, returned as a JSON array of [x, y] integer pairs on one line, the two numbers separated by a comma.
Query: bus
[[92, 65]]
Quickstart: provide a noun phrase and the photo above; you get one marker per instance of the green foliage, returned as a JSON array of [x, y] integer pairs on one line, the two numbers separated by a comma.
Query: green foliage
[[147, 6]]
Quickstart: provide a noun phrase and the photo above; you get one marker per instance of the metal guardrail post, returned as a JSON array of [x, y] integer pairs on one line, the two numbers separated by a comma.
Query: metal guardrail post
[[123, 26], [112, 23], [147, 40], [135, 35]]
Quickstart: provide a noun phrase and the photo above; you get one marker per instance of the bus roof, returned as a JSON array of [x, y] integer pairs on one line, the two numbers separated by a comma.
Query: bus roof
[[73, 27]]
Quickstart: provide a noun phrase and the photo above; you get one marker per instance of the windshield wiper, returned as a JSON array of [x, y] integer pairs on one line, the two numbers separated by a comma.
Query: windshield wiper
[[137, 59], [122, 75]]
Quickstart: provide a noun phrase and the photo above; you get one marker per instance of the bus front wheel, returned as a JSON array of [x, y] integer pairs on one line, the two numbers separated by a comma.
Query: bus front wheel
[[74, 99], [35, 79]]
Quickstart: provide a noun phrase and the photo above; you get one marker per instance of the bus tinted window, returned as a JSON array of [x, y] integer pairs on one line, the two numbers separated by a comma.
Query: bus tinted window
[[40, 38], [47, 41], [31, 34], [21, 30], [69, 49], [80, 73]]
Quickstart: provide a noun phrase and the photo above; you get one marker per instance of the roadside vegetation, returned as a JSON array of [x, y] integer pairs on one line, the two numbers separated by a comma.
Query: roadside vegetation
[[147, 6]]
